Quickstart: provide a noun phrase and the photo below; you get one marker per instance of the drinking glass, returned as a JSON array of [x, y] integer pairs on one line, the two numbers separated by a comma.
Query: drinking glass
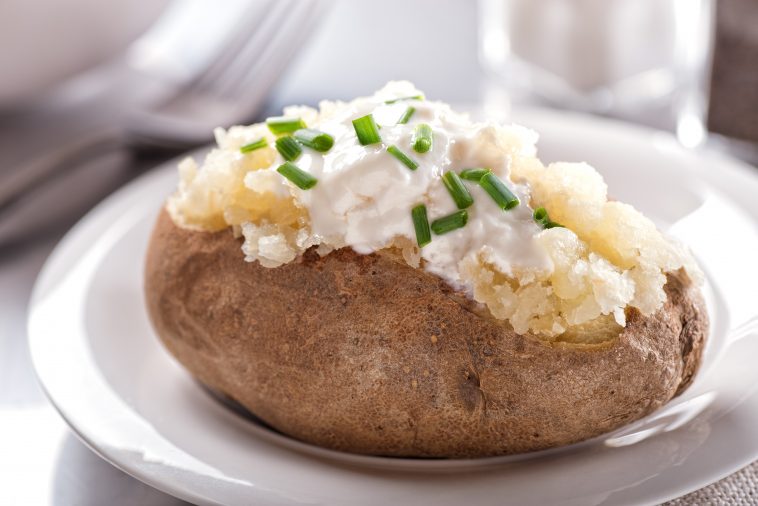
[[641, 60]]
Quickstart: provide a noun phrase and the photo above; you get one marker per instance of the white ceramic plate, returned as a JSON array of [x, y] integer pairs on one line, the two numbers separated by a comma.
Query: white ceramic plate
[[103, 368]]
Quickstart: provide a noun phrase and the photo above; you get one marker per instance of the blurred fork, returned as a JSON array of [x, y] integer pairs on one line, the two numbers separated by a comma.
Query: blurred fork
[[229, 90]]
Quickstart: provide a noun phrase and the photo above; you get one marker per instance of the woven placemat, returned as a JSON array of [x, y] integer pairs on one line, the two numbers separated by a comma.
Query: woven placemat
[[738, 489]]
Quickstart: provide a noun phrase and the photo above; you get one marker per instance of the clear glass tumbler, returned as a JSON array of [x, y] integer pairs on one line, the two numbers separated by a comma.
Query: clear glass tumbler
[[641, 60]]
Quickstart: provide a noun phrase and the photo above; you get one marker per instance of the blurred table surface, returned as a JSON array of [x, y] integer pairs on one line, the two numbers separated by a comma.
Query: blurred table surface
[[41, 460]]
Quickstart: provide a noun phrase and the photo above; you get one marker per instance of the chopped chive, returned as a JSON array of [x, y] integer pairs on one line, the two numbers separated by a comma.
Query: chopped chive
[[421, 225], [314, 139], [498, 191], [473, 174], [284, 125], [366, 130], [412, 97], [541, 217], [297, 176], [450, 222], [457, 190], [288, 148], [422, 138], [405, 159], [406, 116], [260, 143]]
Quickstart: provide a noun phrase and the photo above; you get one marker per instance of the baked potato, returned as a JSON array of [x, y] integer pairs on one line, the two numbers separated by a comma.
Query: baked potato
[[368, 350], [366, 354]]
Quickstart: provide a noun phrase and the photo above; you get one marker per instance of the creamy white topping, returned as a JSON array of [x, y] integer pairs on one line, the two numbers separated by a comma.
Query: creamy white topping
[[364, 195]]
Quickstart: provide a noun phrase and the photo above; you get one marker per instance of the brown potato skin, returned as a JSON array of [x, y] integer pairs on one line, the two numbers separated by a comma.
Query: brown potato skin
[[365, 354]]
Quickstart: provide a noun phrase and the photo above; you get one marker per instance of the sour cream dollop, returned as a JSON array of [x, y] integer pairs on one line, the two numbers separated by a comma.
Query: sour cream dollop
[[364, 195]]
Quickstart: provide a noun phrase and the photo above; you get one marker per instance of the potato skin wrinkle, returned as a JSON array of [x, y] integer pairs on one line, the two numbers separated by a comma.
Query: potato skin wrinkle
[[365, 354]]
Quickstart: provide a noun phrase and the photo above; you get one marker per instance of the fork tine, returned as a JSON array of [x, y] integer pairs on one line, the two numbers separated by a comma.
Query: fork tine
[[254, 18], [242, 84], [276, 27], [224, 95]]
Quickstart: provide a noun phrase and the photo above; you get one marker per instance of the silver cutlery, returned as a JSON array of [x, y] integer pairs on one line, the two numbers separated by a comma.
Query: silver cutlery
[[220, 88]]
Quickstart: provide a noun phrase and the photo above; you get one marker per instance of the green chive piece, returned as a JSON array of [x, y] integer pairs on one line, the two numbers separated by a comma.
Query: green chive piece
[[405, 159], [406, 116], [288, 148], [297, 176], [400, 99], [457, 190], [314, 139], [473, 174], [284, 125], [366, 130], [422, 138], [450, 222], [260, 143], [541, 217], [421, 224], [498, 191]]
